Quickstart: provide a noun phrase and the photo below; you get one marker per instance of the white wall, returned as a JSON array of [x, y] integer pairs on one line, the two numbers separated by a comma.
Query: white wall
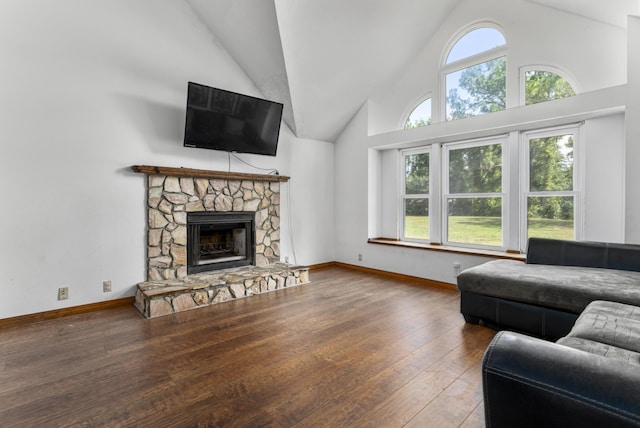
[[351, 192], [632, 146], [604, 179], [601, 73], [311, 185], [88, 89]]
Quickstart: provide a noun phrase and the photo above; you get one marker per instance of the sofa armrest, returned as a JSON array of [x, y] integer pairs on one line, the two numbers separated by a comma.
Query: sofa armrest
[[529, 382]]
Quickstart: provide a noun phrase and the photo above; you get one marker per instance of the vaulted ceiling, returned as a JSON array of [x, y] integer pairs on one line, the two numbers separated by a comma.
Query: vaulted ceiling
[[323, 58]]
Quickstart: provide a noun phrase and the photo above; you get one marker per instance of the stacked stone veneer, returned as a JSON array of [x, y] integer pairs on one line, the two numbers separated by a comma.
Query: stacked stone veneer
[[171, 198], [157, 298]]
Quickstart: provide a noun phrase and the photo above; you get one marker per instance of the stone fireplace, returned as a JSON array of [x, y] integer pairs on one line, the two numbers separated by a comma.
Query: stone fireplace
[[212, 236], [171, 199]]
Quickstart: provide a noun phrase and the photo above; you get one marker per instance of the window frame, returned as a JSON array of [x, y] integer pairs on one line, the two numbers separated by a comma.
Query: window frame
[[515, 186], [503, 194], [464, 63], [403, 195], [409, 112], [578, 178]]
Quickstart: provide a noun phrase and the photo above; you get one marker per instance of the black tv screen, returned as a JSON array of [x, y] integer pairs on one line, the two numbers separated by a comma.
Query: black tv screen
[[223, 120]]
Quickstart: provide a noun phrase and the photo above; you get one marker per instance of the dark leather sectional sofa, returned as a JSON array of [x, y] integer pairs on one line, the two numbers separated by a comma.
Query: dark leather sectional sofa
[[544, 296], [586, 297]]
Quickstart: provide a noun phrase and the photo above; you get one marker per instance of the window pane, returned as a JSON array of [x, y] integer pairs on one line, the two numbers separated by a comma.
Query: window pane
[[420, 116], [417, 174], [543, 86], [416, 218], [476, 90], [476, 221], [550, 217], [476, 169], [551, 163], [475, 42]]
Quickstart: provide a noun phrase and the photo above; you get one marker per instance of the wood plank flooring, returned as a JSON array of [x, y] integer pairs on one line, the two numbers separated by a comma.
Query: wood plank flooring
[[351, 349]]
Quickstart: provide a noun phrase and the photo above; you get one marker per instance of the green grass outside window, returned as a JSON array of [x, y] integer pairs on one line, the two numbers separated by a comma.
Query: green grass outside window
[[487, 230]]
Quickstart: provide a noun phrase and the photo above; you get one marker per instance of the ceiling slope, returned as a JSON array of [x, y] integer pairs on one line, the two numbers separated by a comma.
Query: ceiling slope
[[323, 58], [612, 12], [337, 52]]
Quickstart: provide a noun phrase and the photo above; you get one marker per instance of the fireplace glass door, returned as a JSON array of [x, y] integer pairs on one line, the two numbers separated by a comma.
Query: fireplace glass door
[[219, 240]]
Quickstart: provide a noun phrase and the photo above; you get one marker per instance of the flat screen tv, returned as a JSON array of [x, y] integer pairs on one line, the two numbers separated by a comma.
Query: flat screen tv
[[223, 120]]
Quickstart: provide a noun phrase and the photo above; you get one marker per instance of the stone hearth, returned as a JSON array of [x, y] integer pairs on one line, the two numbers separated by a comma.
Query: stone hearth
[[157, 298], [174, 192]]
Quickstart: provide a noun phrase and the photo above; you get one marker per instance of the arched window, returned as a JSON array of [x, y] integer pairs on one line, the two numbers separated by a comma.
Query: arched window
[[542, 85], [475, 74], [475, 42], [420, 116]]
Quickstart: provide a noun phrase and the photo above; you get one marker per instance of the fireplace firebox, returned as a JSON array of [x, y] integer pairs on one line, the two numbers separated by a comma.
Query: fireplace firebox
[[219, 240]]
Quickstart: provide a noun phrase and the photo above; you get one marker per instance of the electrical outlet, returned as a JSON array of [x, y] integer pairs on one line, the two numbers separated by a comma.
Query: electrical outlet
[[106, 286], [63, 293], [286, 259], [359, 257], [456, 268]]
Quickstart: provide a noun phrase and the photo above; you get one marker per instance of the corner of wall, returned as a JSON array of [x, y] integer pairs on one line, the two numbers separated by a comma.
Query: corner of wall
[[632, 130]]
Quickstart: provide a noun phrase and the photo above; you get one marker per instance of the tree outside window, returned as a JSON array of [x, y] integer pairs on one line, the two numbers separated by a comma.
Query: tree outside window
[[420, 116], [476, 187], [550, 197], [541, 86], [475, 75], [477, 90], [415, 195], [474, 197]]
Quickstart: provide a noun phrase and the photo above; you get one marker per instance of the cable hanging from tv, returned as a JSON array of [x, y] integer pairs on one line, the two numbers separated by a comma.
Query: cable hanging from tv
[[271, 171]]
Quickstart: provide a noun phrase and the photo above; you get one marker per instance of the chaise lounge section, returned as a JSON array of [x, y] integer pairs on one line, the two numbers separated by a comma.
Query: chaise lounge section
[[589, 378], [545, 295]]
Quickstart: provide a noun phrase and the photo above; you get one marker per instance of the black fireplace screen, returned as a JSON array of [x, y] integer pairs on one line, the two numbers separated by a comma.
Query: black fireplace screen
[[219, 240]]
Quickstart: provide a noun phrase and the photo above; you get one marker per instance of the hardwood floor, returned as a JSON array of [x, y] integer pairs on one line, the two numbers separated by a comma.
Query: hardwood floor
[[350, 349]]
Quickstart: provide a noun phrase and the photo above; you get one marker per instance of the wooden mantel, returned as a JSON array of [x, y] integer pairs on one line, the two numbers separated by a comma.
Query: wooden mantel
[[205, 173]]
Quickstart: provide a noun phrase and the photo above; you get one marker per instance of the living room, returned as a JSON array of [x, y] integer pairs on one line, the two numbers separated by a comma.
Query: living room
[[91, 89]]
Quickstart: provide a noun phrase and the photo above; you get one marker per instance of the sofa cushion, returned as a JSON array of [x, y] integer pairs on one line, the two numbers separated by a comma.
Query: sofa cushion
[[601, 349], [610, 323], [623, 257], [566, 253], [567, 288], [583, 253]]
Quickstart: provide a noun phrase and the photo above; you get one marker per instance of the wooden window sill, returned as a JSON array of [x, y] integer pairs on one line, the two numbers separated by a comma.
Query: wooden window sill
[[448, 249]]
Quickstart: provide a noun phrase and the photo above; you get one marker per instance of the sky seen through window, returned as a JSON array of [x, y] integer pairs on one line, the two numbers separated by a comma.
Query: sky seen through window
[[474, 42]]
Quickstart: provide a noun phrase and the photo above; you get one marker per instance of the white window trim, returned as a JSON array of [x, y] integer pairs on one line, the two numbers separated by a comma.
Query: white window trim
[[408, 111], [435, 205], [578, 178], [463, 63], [504, 194], [466, 30], [515, 182], [403, 195]]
